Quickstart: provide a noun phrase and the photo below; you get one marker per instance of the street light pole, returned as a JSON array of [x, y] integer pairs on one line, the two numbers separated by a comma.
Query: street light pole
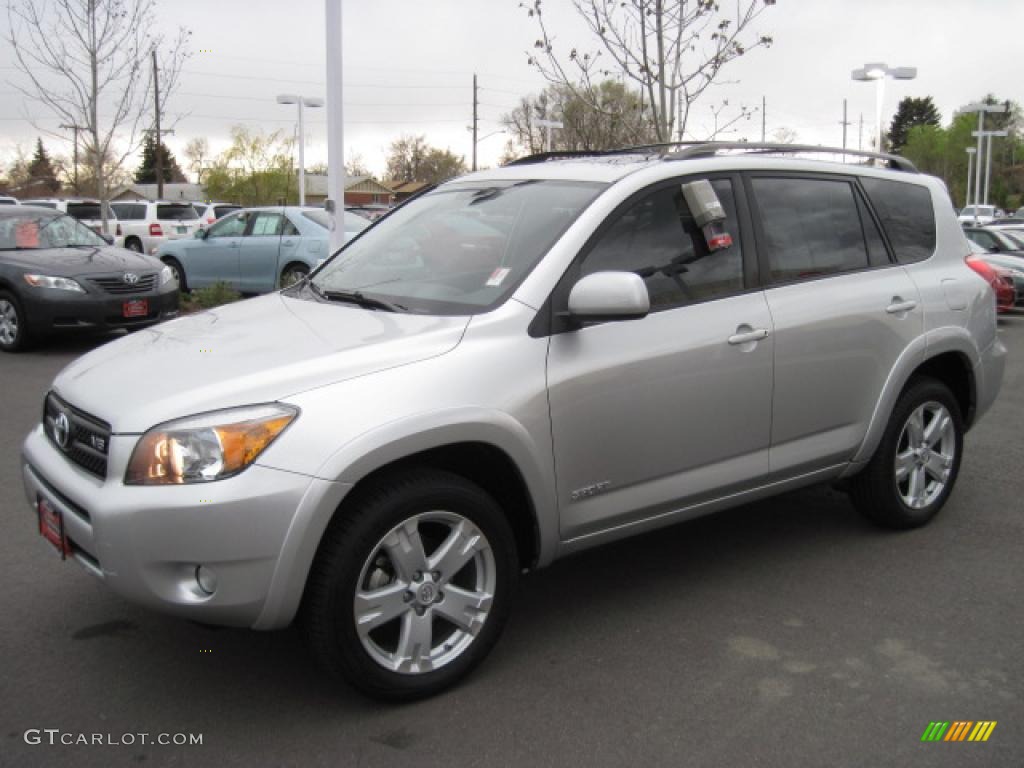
[[971, 152], [879, 71], [302, 101], [981, 108], [987, 137], [335, 126]]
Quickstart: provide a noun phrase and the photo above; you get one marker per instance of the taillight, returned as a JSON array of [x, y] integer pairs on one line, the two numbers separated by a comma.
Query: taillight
[[155, 230]]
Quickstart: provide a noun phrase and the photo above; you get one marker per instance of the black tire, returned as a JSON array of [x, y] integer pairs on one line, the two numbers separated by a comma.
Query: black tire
[[877, 493], [133, 244], [179, 272], [22, 339], [293, 273], [353, 543]]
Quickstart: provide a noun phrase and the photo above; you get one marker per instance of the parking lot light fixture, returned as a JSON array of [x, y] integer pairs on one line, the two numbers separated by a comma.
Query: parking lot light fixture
[[879, 71], [312, 103]]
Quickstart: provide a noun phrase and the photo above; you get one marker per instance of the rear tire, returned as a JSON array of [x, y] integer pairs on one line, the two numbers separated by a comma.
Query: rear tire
[[133, 244], [14, 333], [915, 467], [179, 273], [411, 586], [292, 274]]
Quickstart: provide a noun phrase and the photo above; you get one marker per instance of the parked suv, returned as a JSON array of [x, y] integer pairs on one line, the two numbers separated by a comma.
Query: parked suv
[[147, 225], [521, 364]]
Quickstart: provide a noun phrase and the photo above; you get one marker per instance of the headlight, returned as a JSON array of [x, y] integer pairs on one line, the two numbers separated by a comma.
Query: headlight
[[166, 275], [60, 283], [200, 449]]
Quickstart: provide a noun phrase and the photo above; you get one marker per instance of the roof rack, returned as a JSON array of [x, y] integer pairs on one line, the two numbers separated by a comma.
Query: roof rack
[[705, 149], [693, 149]]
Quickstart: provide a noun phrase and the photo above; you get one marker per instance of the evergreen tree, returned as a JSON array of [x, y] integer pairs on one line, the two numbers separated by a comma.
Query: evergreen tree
[[910, 113], [146, 174], [41, 174]]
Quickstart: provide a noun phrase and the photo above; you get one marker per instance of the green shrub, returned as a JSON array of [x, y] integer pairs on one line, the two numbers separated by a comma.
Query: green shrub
[[209, 297]]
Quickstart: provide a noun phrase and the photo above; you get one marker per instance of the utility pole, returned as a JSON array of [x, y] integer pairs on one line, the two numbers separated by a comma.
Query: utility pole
[[159, 141], [971, 152], [844, 123], [860, 134], [981, 109], [764, 117], [76, 129], [475, 103]]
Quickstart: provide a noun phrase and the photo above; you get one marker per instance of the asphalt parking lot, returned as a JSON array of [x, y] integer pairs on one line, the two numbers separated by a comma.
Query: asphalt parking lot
[[784, 633]]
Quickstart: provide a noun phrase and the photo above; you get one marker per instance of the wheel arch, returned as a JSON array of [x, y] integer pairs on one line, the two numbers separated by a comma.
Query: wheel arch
[[949, 356]]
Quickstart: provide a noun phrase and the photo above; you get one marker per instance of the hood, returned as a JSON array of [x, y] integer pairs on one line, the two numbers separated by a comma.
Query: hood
[[254, 351], [75, 262]]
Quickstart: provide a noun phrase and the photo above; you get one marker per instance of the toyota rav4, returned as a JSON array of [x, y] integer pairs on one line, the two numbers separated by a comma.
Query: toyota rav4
[[520, 364]]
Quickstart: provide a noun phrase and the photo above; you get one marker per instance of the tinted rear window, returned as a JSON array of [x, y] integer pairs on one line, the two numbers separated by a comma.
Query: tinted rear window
[[129, 211], [221, 211], [906, 214], [84, 210], [176, 213]]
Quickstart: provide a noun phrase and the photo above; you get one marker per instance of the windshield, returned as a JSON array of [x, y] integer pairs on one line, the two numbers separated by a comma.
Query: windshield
[[459, 250], [28, 232]]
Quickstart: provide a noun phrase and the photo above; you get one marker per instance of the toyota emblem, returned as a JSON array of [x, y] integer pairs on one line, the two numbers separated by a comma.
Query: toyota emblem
[[131, 278], [61, 429]]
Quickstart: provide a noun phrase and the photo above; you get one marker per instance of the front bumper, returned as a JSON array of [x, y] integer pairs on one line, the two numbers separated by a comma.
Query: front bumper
[[257, 532], [49, 310]]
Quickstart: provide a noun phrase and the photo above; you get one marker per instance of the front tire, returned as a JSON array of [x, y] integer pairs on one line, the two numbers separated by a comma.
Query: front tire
[[915, 467], [14, 335], [179, 273], [292, 274], [411, 586]]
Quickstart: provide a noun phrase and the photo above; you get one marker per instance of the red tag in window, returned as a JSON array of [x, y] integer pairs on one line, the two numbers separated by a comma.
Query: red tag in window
[[718, 242], [26, 234]]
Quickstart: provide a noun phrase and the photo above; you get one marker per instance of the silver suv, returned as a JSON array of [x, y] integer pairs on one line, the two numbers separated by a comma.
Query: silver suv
[[524, 363]]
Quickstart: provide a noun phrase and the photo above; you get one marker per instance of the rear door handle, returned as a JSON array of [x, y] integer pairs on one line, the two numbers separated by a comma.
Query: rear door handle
[[899, 305], [745, 337]]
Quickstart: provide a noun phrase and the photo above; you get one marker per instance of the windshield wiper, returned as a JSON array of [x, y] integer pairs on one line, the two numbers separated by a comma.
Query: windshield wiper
[[357, 298]]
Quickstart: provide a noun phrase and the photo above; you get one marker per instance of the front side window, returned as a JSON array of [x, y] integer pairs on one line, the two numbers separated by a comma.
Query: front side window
[[230, 226], [658, 239], [461, 249], [812, 227]]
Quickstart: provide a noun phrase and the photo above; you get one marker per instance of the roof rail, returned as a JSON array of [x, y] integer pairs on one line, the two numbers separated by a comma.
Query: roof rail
[[692, 149], [711, 148]]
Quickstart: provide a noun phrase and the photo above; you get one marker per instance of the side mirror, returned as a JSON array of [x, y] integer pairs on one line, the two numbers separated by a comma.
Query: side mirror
[[108, 239], [609, 296], [200, 234]]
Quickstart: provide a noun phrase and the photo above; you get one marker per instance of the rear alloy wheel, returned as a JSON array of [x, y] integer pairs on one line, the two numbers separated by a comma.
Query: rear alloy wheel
[[411, 587], [13, 333], [915, 467], [292, 274]]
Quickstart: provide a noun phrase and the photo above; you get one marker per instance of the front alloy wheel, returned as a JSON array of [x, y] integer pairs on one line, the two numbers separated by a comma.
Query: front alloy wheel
[[12, 325], [411, 584], [416, 612]]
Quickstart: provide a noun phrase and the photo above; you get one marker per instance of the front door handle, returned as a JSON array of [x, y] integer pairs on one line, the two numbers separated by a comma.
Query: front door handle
[[898, 305], [745, 337]]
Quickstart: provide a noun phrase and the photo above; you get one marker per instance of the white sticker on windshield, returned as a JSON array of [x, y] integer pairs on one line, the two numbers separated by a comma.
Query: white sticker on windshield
[[497, 276]]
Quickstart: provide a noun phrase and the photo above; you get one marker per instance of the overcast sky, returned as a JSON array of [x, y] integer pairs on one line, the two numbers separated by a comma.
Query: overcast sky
[[409, 66]]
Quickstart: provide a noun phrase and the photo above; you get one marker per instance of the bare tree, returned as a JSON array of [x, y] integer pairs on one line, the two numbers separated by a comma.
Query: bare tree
[[89, 62], [674, 49], [197, 152]]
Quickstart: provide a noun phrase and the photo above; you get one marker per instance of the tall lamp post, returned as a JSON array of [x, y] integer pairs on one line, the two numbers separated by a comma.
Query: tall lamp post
[[981, 109], [971, 152], [476, 142], [302, 101], [878, 71]]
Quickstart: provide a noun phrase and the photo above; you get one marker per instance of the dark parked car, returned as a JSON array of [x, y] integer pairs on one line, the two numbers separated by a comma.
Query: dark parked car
[[57, 274], [993, 240]]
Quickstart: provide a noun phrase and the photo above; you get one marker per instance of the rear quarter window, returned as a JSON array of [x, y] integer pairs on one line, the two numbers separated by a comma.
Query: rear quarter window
[[907, 217], [84, 211], [176, 213]]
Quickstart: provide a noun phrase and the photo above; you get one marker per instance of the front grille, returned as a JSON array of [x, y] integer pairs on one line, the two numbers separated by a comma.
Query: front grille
[[117, 285], [87, 439]]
